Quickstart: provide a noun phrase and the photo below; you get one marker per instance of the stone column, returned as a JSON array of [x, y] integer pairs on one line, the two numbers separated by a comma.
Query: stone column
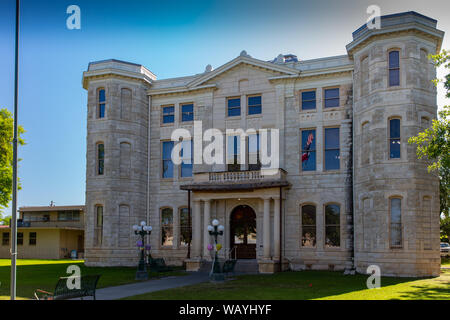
[[276, 229], [206, 222], [196, 230], [266, 230]]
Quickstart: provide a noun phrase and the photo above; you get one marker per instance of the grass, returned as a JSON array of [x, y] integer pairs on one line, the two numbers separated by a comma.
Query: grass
[[309, 285], [445, 262], [43, 274]]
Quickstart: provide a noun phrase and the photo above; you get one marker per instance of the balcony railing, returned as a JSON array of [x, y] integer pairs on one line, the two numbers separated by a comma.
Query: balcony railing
[[50, 223]]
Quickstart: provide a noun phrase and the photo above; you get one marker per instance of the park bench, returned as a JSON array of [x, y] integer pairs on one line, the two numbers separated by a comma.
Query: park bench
[[158, 265], [88, 285], [228, 266]]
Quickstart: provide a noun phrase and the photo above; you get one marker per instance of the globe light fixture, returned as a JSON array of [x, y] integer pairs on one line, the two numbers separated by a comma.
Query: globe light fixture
[[216, 230], [142, 230]]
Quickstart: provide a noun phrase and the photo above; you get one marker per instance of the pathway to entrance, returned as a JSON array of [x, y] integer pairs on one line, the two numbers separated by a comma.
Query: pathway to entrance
[[133, 289]]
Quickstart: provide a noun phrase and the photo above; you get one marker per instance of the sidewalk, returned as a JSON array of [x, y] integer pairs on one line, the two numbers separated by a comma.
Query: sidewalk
[[133, 289]]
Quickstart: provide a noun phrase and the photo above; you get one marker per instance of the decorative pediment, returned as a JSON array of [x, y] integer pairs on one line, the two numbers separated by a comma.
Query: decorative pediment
[[243, 59]]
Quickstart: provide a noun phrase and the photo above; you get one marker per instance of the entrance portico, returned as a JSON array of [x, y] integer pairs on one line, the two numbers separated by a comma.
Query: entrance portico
[[257, 202]]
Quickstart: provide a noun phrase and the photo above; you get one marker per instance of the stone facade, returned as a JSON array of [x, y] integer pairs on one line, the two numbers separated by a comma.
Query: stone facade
[[132, 189]]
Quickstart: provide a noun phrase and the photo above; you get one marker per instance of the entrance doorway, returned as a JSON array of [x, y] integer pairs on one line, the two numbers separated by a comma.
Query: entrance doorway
[[243, 232]]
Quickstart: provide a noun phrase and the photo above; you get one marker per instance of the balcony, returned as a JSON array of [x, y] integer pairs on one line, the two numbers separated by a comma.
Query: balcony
[[237, 180], [44, 222]]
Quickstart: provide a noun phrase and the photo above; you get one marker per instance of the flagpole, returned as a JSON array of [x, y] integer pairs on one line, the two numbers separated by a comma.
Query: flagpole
[[14, 183]]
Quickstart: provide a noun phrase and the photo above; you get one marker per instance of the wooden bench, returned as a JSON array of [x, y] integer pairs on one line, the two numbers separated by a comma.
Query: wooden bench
[[88, 285], [228, 266], [158, 265]]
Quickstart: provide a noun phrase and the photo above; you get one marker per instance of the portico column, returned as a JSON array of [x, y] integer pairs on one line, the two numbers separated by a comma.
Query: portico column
[[206, 222], [196, 230], [276, 229], [266, 230]]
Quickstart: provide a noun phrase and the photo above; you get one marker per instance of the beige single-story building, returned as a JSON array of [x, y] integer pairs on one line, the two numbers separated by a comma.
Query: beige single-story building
[[46, 233]]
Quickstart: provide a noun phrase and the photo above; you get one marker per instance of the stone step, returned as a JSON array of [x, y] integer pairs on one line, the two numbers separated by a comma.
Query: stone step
[[242, 266]]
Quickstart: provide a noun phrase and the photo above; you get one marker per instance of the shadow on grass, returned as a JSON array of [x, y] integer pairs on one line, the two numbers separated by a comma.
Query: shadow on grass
[[301, 285], [45, 276]]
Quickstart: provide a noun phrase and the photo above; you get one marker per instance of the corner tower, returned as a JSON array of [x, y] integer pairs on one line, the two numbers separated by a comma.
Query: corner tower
[[396, 200], [116, 159]]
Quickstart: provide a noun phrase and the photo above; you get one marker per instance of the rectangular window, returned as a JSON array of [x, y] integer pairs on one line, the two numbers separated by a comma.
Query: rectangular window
[[168, 114], [308, 226], [5, 239], [233, 107], [186, 156], [20, 238], [33, 239], [254, 105], [394, 68], [396, 222], [234, 153], [308, 100], [68, 215], [101, 103], [99, 225], [332, 149], [101, 158], [331, 98], [187, 112], [185, 227], [167, 163], [167, 227], [332, 226], [254, 162], [394, 139], [308, 150]]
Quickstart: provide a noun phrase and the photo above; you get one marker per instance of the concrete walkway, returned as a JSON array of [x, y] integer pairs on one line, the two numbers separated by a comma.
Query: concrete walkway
[[133, 289]]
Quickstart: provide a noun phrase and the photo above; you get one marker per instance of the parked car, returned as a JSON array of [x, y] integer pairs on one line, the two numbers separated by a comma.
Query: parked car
[[445, 249]]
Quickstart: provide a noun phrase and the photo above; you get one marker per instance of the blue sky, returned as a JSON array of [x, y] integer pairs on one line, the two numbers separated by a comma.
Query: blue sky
[[171, 38]]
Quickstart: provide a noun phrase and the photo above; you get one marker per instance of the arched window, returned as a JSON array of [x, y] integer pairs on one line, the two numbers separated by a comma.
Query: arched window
[[365, 76], [308, 231], [427, 223], [185, 227], [394, 139], [394, 68], [425, 122], [125, 103], [167, 227], [332, 226], [125, 159], [124, 225], [396, 222], [365, 140], [101, 103], [100, 158], [98, 232]]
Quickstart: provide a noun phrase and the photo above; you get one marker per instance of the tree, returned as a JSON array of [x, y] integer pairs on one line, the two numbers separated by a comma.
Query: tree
[[6, 156], [433, 145]]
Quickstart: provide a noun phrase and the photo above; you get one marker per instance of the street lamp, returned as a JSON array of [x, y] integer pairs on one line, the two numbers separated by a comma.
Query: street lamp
[[142, 230], [216, 230]]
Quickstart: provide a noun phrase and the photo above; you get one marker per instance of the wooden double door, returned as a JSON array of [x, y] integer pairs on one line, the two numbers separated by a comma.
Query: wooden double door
[[243, 232]]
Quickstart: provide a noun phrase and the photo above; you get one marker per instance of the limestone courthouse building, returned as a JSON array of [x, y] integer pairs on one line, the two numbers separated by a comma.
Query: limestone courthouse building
[[348, 191]]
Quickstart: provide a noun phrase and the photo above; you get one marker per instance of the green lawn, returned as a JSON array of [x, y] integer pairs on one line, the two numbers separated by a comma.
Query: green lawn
[[43, 274], [309, 285], [445, 262]]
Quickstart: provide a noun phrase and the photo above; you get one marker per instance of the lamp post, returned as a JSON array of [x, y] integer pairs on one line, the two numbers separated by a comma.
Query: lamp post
[[216, 230], [142, 230]]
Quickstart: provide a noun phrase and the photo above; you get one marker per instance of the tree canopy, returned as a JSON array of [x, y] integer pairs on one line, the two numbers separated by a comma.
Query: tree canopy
[[6, 155]]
